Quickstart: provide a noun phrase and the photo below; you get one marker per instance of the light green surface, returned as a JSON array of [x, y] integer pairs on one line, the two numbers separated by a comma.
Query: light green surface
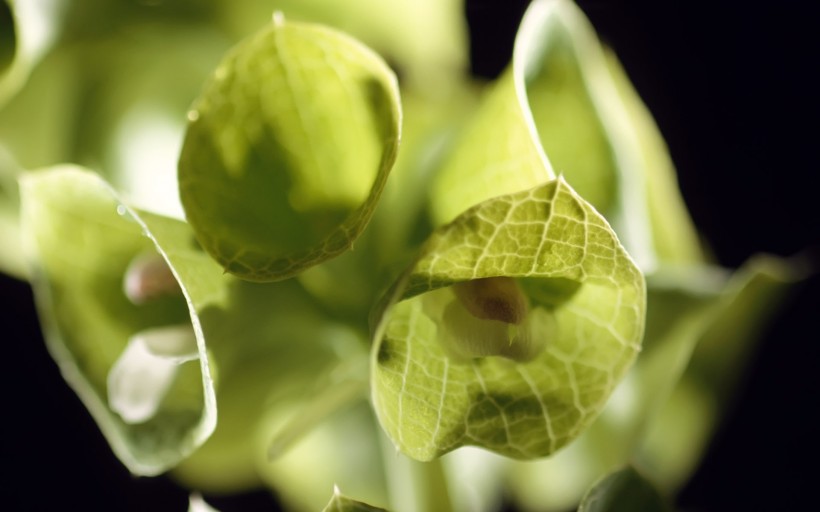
[[430, 403], [288, 149], [79, 240], [621, 491]]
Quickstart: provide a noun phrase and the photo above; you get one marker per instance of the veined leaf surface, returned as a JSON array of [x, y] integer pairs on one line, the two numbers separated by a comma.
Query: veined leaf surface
[[288, 149], [586, 306], [565, 107]]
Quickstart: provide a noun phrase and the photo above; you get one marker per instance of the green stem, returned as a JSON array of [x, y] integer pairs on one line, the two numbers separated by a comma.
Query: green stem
[[415, 486]]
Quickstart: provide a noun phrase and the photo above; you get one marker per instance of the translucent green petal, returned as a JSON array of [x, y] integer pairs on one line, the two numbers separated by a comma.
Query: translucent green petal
[[586, 307], [564, 106], [288, 149], [80, 240]]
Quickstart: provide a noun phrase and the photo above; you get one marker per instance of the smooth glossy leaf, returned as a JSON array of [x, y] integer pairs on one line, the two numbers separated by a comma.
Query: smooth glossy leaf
[[288, 149], [585, 320], [340, 503], [80, 240], [623, 490]]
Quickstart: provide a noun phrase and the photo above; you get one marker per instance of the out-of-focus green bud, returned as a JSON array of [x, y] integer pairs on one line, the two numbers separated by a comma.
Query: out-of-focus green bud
[[288, 149]]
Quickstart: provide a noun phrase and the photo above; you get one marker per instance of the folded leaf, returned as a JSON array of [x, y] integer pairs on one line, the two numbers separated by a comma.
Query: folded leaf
[[80, 240], [565, 106], [552, 373], [288, 149]]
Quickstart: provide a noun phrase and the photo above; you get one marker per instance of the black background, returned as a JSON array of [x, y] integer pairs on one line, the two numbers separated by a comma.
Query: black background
[[733, 89]]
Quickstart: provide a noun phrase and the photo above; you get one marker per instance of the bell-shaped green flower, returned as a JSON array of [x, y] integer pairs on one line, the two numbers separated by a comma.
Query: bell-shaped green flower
[[511, 329], [126, 335], [288, 149]]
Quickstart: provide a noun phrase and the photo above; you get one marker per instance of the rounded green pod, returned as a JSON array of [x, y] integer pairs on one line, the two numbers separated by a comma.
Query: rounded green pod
[[287, 150]]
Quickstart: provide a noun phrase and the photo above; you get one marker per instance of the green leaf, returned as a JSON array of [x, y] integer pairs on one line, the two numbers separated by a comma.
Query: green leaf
[[564, 107], [584, 325], [621, 490], [288, 149], [664, 410], [91, 326], [339, 503]]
